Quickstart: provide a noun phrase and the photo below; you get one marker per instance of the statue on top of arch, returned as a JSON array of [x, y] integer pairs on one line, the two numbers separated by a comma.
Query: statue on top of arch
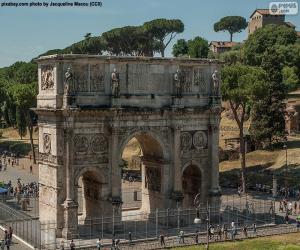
[[115, 83]]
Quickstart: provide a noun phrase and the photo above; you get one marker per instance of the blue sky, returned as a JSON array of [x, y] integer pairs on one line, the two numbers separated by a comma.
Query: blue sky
[[27, 32]]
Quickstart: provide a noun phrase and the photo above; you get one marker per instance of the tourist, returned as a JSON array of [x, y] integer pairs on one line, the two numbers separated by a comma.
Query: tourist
[[286, 218], [117, 242], [233, 230], [72, 245], [130, 238], [10, 233], [99, 245], [280, 207], [30, 169], [245, 231], [181, 236], [219, 233], [162, 240], [254, 229], [211, 232], [295, 207], [7, 243], [197, 237], [298, 224]]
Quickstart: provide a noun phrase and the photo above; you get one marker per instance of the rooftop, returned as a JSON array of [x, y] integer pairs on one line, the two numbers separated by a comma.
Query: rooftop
[[264, 12], [224, 44]]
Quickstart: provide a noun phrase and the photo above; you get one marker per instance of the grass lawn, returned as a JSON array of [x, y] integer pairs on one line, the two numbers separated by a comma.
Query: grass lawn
[[277, 242]]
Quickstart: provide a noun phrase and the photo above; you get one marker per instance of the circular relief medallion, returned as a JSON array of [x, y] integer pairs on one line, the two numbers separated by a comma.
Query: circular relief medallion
[[200, 140], [47, 144], [99, 144], [186, 140], [81, 144]]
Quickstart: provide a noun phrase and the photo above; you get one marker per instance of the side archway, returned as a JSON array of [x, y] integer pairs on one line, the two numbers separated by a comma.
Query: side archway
[[93, 198], [191, 184]]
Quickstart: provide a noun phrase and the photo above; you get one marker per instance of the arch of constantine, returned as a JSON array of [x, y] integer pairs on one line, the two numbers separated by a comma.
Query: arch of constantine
[[90, 107]]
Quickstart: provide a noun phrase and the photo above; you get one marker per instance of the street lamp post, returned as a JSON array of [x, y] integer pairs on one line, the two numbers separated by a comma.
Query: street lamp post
[[197, 220], [285, 171]]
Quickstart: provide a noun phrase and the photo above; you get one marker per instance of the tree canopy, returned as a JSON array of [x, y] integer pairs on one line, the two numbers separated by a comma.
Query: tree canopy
[[163, 31], [232, 24], [194, 48], [241, 85]]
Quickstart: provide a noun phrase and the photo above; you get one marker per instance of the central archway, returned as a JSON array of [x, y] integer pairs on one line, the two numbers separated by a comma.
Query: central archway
[[151, 159]]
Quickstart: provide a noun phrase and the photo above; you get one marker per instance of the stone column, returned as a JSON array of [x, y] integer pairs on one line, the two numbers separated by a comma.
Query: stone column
[[115, 169], [177, 194], [214, 155], [70, 205]]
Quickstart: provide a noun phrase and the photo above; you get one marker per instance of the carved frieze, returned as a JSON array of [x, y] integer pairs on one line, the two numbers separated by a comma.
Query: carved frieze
[[186, 140], [199, 80], [99, 144], [47, 77], [153, 178], [48, 158], [81, 143], [47, 143], [186, 80], [200, 140], [90, 149]]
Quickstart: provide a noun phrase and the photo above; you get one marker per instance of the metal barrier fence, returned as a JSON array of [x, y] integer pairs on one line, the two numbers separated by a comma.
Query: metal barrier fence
[[23, 225], [148, 226]]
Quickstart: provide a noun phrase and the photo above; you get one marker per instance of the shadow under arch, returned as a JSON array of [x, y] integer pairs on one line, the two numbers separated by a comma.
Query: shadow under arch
[[192, 183], [94, 193]]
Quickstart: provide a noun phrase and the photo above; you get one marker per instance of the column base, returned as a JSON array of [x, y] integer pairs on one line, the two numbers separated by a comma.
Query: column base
[[70, 230]]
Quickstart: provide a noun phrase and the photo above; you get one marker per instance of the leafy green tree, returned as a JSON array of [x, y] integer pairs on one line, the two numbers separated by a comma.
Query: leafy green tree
[[21, 123], [265, 38], [240, 86], [180, 48], [198, 48], [194, 48], [231, 57], [164, 31], [268, 116], [232, 24], [290, 77], [24, 96]]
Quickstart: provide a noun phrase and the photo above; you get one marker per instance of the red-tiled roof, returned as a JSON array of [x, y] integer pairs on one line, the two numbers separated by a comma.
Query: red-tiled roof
[[263, 12], [224, 44]]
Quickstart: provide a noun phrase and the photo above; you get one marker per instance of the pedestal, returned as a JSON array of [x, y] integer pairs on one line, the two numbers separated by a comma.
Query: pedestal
[[70, 230]]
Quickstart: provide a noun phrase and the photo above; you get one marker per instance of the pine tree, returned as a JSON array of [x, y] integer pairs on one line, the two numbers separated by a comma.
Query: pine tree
[[20, 122]]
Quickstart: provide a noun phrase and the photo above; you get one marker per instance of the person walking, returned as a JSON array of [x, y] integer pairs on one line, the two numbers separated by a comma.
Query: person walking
[[181, 236], [7, 243], [197, 237], [99, 245], [254, 229], [295, 207], [286, 218], [10, 233], [130, 238], [72, 245], [233, 230], [162, 240], [30, 169]]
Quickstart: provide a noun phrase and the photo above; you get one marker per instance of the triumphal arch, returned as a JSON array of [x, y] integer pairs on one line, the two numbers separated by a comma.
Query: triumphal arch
[[89, 107]]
